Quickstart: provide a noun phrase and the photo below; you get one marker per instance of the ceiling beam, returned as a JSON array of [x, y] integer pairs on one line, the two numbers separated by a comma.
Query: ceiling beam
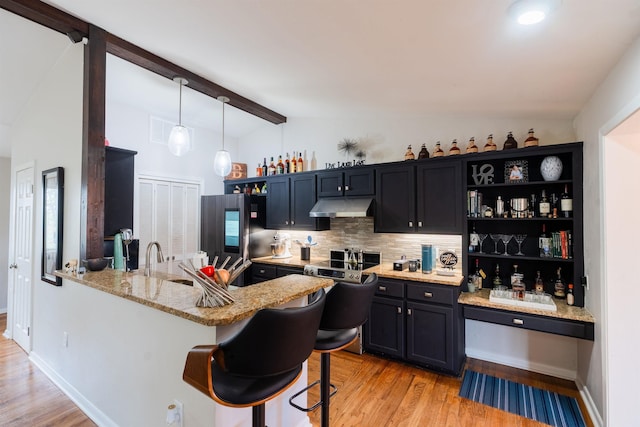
[[147, 60], [76, 29]]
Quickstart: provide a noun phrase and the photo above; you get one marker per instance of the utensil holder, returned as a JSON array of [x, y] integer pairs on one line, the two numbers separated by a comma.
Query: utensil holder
[[305, 253]]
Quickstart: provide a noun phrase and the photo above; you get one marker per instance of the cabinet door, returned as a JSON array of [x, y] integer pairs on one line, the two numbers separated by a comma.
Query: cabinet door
[[118, 190], [430, 335], [359, 182], [278, 203], [330, 184], [384, 330], [285, 271], [395, 199], [439, 197], [303, 197]]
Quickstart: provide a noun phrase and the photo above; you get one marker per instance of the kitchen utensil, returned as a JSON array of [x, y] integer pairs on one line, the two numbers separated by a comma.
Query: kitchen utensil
[[305, 253], [117, 252]]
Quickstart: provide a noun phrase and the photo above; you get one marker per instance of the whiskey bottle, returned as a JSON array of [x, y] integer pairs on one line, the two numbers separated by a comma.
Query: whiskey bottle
[[287, 165], [265, 168], [437, 152], [566, 203], [279, 166], [472, 147], [496, 280], [538, 286], [559, 289], [478, 275], [454, 150], [544, 207], [293, 166], [300, 165], [531, 140], [544, 243], [423, 154], [532, 205], [408, 155], [259, 170], [490, 145], [272, 168], [474, 241], [510, 142]]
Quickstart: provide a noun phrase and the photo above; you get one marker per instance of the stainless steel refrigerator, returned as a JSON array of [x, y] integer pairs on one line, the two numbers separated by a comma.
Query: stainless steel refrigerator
[[234, 225]]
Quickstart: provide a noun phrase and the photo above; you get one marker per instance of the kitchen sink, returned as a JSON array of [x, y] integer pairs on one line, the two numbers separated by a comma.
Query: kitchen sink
[[187, 282]]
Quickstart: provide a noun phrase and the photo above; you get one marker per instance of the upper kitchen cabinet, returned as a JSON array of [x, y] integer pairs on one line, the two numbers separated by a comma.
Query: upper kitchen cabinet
[[358, 181], [423, 197], [289, 200], [118, 190], [439, 197]]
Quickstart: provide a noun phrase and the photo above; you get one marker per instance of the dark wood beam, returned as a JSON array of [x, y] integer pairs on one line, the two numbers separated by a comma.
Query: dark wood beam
[[93, 153], [147, 60], [49, 16]]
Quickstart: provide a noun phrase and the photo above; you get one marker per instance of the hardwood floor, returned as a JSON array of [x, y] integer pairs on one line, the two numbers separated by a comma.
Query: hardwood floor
[[372, 392]]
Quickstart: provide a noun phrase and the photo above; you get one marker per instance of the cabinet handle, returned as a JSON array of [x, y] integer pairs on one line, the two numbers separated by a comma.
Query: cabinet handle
[[408, 312], [428, 294], [262, 271], [518, 322], [286, 223], [399, 309], [346, 188], [339, 188], [13, 266], [420, 224], [293, 223], [410, 223], [382, 288]]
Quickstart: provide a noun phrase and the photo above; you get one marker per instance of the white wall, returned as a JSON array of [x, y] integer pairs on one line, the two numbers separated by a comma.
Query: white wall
[[615, 100], [5, 194]]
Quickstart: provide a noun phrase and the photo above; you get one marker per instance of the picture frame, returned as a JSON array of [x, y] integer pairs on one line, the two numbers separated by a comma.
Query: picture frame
[[516, 171], [52, 219]]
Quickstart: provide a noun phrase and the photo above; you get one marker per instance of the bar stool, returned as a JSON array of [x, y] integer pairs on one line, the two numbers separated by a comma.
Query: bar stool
[[259, 362], [346, 309]]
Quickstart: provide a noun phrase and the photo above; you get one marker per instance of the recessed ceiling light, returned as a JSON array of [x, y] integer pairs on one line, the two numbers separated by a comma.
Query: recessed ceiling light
[[528, 12]]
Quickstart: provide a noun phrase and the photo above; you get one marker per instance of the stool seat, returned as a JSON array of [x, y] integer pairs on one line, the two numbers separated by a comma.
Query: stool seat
[[333, 340]]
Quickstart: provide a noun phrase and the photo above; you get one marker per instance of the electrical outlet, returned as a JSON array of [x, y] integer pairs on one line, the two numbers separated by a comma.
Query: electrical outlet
[[585, 282], [65, 339], [174, 414]]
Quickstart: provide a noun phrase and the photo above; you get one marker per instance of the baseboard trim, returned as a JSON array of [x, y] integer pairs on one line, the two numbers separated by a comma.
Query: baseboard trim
[[539, 368], [595, 416], [96, 415]]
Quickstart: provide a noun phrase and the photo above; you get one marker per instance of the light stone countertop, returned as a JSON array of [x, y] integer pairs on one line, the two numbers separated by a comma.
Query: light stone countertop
[[161, 293], [293, 261], [481, 299], [386, 270]]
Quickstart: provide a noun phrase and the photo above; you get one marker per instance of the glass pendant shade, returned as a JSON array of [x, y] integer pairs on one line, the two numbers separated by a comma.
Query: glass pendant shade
[[222, 163], [179, 141]]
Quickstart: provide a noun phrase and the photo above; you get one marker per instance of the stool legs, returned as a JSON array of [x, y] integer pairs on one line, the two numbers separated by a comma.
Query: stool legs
[[258, 412], [325, 384]]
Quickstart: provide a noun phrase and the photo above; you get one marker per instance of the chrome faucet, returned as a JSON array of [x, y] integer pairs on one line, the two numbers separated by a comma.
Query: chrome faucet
[[147, 260]]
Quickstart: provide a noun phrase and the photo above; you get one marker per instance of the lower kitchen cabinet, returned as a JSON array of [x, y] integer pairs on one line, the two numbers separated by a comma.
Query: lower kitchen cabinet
[[263, 272], [419, 323]]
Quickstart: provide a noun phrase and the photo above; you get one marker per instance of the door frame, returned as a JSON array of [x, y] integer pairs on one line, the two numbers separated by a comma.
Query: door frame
[[8, 333]]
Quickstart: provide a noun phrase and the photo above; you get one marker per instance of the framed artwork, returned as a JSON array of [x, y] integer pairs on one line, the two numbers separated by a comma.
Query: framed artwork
[[52, 215], [516, 171]]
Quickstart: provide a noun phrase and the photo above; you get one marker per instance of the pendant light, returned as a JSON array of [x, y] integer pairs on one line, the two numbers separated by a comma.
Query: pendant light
[[179, 140], [222, 161]]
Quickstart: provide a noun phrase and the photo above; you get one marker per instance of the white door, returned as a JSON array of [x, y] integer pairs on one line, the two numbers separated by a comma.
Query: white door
[[20, 278]]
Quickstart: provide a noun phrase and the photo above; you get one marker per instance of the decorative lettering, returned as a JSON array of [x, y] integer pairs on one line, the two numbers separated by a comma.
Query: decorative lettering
[[485, 176]]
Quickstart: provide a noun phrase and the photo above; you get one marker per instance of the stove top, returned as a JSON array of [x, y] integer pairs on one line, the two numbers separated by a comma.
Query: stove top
[[344, 265]]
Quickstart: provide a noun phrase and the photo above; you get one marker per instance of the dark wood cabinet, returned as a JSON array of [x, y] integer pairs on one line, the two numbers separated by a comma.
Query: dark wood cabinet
[[289, 200], [417, 322], [278, 202], [262, 272], [439, 196], [358, 181], [395, 199], [118, 190]]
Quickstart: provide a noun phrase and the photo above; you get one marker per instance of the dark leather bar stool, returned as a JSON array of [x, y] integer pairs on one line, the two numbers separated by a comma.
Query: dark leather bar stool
[[259, 362], [346, 309]]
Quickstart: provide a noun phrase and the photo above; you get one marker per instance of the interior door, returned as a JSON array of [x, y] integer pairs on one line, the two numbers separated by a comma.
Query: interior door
[[21, 270]]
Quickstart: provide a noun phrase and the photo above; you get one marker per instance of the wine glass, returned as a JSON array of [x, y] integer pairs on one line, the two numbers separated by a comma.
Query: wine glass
[[481, 239], [496, 238], [506, 238], [519, 239]]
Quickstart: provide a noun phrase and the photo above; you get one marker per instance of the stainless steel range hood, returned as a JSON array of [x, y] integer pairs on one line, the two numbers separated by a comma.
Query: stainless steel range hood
[[341, 208]]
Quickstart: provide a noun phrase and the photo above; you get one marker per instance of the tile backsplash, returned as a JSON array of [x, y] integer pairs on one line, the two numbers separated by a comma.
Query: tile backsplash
[[358, 233]]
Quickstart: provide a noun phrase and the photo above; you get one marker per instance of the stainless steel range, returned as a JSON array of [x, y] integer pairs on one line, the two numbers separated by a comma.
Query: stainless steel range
[[346, 265]]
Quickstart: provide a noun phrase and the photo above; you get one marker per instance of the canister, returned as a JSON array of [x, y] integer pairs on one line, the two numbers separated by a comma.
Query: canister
[[118, 263], [427, 258]]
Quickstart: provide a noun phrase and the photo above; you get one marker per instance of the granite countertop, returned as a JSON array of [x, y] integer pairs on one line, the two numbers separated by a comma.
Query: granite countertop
[[481, 299], [159, 292], [293, 261], [386, 270]]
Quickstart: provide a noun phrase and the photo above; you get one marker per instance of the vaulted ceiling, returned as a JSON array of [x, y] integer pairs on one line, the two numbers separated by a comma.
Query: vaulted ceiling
[[347, 58]]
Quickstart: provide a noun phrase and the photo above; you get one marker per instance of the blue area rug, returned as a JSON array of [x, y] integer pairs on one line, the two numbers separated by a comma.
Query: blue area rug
[[530, 402]]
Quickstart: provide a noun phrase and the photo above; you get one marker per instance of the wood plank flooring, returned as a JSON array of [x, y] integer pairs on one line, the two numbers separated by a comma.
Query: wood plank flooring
[[372, 392]]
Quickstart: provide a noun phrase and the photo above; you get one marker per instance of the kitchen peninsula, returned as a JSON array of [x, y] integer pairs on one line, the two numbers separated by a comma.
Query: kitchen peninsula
[[138, 331]]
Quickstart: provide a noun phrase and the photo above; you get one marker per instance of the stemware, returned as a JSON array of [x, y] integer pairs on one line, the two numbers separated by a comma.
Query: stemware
[[519, 239], [481, 239], [496, 238], [506, 238], [127, 238]]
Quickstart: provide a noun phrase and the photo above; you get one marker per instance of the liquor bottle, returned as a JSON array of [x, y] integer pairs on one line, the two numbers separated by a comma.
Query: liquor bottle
[[264, 188], [510, 142], [300, 165], [531, 141], [496, 280], [559, 286], [293, 166], [437, 152], [454, 150], [474, 240], [287, 165], [544, 207], [478, 275], [279, 166], [517, 283], [539, 284], [532, 205], [408, 155], [259, 170], [423, 154], [566, 203], [256, 189], [499, 206], [265, 169], [544, 243], [570, 297], [490, 145], [272, 168], [472, 147]]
